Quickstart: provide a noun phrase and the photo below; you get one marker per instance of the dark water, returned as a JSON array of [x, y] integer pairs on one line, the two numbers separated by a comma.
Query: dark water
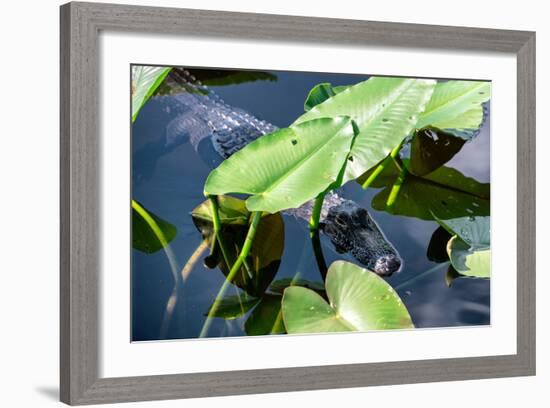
[[169, 182]]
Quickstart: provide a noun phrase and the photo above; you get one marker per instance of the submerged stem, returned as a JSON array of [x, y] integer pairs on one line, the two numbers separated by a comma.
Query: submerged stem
[[421, 276], [191, 262], [173, 298], [314, 234], [236, 267], [380, 168]]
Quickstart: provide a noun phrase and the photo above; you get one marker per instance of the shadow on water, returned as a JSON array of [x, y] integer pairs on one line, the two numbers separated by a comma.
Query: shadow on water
[[169, 178]]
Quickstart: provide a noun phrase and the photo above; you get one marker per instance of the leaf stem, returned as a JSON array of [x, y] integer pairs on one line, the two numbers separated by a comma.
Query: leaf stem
[[380, 168], [256, 217], [216, 222], [314, 234], [390, 203]]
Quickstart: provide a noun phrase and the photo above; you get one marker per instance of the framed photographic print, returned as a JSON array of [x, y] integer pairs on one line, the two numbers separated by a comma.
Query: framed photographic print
[[250, 204]]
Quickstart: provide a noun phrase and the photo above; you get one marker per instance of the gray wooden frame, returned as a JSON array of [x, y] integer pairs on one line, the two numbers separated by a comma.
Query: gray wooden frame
[[80, 234]]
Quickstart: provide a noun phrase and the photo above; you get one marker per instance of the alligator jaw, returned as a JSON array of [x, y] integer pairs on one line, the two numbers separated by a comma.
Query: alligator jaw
[[352, 229]]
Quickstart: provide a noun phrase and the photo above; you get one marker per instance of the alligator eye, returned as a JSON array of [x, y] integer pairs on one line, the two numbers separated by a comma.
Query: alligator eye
[[340, 222], [362, 213]]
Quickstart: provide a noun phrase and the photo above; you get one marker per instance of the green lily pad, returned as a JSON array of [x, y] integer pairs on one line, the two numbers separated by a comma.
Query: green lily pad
[[385, 110], [286, 168], [467, 261], [150, 233], [469, 248], [145, 80], [475, 231], [267, 248], [360, 300]]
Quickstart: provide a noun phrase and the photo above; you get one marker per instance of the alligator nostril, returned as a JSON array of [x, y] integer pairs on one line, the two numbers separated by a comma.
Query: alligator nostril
[[387, 265]]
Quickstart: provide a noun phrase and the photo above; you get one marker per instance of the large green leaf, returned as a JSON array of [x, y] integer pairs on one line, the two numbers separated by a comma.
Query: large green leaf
[[469, 248], [385, 111], [266, 318], [359, 300], [264, 258], [445, 193], [456, 107], [150, 233], [320, 93], [286, 168], [145, 80]]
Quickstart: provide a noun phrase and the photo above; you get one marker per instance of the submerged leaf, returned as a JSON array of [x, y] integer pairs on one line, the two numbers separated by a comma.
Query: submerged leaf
[[194, 80], [286, 168], [280, 285], [150, 233], [437, 248], [266, 318], [432, 148], [444, 193], [360, 300], [264, 258], [232, 211], [451, 275], [145, 80], [232, 307], [385, 111]]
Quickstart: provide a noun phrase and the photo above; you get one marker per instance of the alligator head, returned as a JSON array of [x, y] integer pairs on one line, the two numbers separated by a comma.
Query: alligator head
[[351, 229]]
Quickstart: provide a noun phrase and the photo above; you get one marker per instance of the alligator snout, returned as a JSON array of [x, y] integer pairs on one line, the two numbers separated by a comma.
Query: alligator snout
[[387, 265], [352, 229]]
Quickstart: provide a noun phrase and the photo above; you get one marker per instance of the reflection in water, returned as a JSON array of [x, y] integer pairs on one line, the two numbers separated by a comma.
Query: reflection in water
[[169, 175]]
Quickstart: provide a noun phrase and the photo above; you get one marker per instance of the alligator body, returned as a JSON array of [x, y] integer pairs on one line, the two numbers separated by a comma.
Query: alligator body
[[217, 130]]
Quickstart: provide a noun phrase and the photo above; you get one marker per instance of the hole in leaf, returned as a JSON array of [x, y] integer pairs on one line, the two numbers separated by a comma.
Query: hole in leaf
[[294, 142], [350, 158]]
